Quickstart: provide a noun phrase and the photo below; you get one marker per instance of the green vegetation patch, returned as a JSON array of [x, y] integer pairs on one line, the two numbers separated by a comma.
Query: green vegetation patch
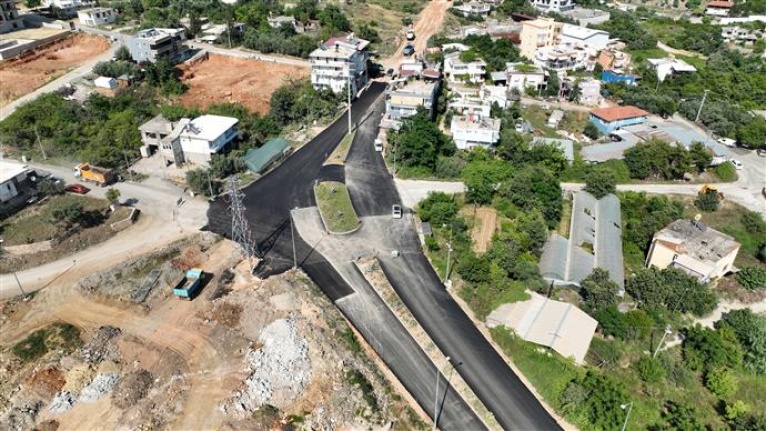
[[37, 223], [57, 336], [341, 151], [335, 207]]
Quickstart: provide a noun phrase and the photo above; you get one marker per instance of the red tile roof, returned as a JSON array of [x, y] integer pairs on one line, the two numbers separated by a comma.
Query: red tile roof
[[724, 4], [431, 74], [618, 113]]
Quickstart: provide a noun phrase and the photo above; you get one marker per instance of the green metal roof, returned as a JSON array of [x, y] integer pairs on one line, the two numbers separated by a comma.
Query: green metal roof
[[259, 159]]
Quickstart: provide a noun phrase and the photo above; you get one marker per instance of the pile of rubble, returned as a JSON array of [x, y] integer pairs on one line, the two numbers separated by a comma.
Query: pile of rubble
[[281, 368]]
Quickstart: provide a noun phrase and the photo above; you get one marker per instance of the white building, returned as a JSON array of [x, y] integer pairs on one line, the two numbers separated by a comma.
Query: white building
[[473, 8], [68, 4], [496, 94], [404, 99], [96, 16], [575, 34], [521, 76], [554, 5], [670, 66], [471, 106], [565, 57], [719, 8], [188, 141], [12, 175], [456, 69], [474, 131], [338, 61], [585, 16], [590, 92]]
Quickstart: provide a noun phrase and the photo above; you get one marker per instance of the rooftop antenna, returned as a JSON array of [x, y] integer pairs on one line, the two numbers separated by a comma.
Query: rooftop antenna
[[240, 228]]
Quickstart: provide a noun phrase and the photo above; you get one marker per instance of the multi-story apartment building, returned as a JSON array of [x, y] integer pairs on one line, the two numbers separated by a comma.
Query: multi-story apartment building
[[538, 33], [471, 131], [456, 69], [96, 16], [522, 76], [576, 34], [9, 17], [339, 62], [565, 57], [154, 43], [403, 101], [554, 5]]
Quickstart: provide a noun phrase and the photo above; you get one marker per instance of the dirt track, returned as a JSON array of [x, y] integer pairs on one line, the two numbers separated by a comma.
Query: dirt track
[[428, 24], [226, 79], [484, 228], [24, 76]]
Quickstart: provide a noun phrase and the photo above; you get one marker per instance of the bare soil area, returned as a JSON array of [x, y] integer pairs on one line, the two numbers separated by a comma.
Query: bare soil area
[[429, 23], [19, 77], [485, 226], [244, 354], [237, 80]]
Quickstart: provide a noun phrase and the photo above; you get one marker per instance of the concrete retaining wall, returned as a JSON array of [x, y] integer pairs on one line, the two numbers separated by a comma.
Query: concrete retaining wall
[[35, 247], [126, 222]]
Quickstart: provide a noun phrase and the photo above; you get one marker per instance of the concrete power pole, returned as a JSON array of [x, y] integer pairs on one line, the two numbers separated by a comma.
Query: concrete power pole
[[699, 111]]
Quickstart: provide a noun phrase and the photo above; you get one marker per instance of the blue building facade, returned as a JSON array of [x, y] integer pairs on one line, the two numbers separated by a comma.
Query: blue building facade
[[611, 76], [607, 120]]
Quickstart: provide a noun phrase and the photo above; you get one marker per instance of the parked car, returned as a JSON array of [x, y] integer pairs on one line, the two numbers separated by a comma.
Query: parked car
[[77, 188], [379, 145], [737, 164], [390, 72], [396, 211], [731, 143], [410, 35], [761, 152], [408, 50]]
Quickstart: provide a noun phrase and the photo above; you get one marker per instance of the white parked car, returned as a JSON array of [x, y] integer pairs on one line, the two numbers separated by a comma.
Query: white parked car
[[737, 164], [519, 126], [727, 142], [378, 145], [396, 211]]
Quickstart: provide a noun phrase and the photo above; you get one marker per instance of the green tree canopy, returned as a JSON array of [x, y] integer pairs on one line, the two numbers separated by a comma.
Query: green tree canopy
[[420, 142], [598, 291]]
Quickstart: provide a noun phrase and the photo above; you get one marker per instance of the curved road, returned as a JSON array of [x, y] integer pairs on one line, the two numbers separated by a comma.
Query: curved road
[[287, 187]]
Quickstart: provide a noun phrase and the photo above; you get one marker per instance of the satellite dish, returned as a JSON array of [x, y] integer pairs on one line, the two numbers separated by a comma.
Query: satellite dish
[[697, 217]]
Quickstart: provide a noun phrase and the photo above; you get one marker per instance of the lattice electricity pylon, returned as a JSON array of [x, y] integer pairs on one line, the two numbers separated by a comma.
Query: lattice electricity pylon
[[240, 228]]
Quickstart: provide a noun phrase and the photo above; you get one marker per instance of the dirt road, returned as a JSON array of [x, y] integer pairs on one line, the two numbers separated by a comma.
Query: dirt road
[[484, 227], [428, 24]]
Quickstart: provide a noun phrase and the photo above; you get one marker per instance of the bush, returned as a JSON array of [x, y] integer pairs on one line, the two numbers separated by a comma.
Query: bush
[[68, 211], [754, 223], [707, 202], [752, 277], [721, 382], [591, 131], [437, 208], [650, 369], [726, 172]]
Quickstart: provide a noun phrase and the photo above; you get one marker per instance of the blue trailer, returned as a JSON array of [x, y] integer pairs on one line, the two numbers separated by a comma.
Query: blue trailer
[[188, 286]]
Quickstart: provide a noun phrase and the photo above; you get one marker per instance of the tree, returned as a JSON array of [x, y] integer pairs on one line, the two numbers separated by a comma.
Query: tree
[[333, 20], [752, 277], [753, 223], [112, 194], [707, 201], [721, 382], [650, 369], [750, 330], [591, 131], [199, 181], [554, 84], [700, 156], [68, 212], [681, 417], [437, 208], [704, 348], [600, 181], [31, 4], [736, 410], [596, 398], [535, 187], [598, 291], [420, 142], [657, 159]]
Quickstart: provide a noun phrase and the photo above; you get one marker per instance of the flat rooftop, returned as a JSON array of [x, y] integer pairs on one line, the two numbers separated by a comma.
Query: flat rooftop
[[9, 169], [463, 122], [209, 127], [697, 240]]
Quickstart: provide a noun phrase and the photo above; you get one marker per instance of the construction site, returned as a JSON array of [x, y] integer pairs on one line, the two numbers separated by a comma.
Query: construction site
[[119, 350], [30, 72], [218, 79]]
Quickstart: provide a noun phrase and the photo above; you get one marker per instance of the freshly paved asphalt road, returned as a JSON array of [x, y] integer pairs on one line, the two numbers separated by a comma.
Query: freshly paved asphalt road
[[269, 201], [373, 192]]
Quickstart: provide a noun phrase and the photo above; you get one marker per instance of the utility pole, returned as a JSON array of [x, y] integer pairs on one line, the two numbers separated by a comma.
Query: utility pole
[[210, 183], [628, 406], [40, 143], [449, 257], [699, 111], [350, 70], [19, 283]]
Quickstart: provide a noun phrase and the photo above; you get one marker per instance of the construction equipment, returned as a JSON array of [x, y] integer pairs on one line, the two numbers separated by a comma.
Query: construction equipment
[[707, 188], [94, 174]]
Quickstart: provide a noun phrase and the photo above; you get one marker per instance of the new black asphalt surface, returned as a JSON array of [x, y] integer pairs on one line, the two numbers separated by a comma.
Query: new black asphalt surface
[[373, 192], [269, 201]]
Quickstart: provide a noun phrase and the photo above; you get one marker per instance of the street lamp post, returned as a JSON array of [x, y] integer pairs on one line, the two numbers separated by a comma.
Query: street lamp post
[[662, 340], [449, 257], [628, 406], [351, 71], [436, 398]]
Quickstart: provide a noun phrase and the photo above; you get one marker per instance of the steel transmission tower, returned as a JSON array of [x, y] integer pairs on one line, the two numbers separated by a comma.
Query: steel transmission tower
[[240, 229]]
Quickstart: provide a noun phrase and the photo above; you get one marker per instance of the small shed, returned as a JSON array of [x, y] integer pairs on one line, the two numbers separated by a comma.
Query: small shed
[[258, 160], [105, 82]]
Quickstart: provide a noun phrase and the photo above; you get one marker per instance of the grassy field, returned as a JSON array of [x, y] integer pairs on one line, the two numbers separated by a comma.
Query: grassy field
[[335, 206], [34, 223], [538, 117], [385, 18], [338, 157]]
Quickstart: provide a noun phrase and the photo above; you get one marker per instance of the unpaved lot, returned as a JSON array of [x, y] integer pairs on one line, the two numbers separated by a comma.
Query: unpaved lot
[[23, 76], [217, 362], [237, 80], [485, 225], [429, 23]]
